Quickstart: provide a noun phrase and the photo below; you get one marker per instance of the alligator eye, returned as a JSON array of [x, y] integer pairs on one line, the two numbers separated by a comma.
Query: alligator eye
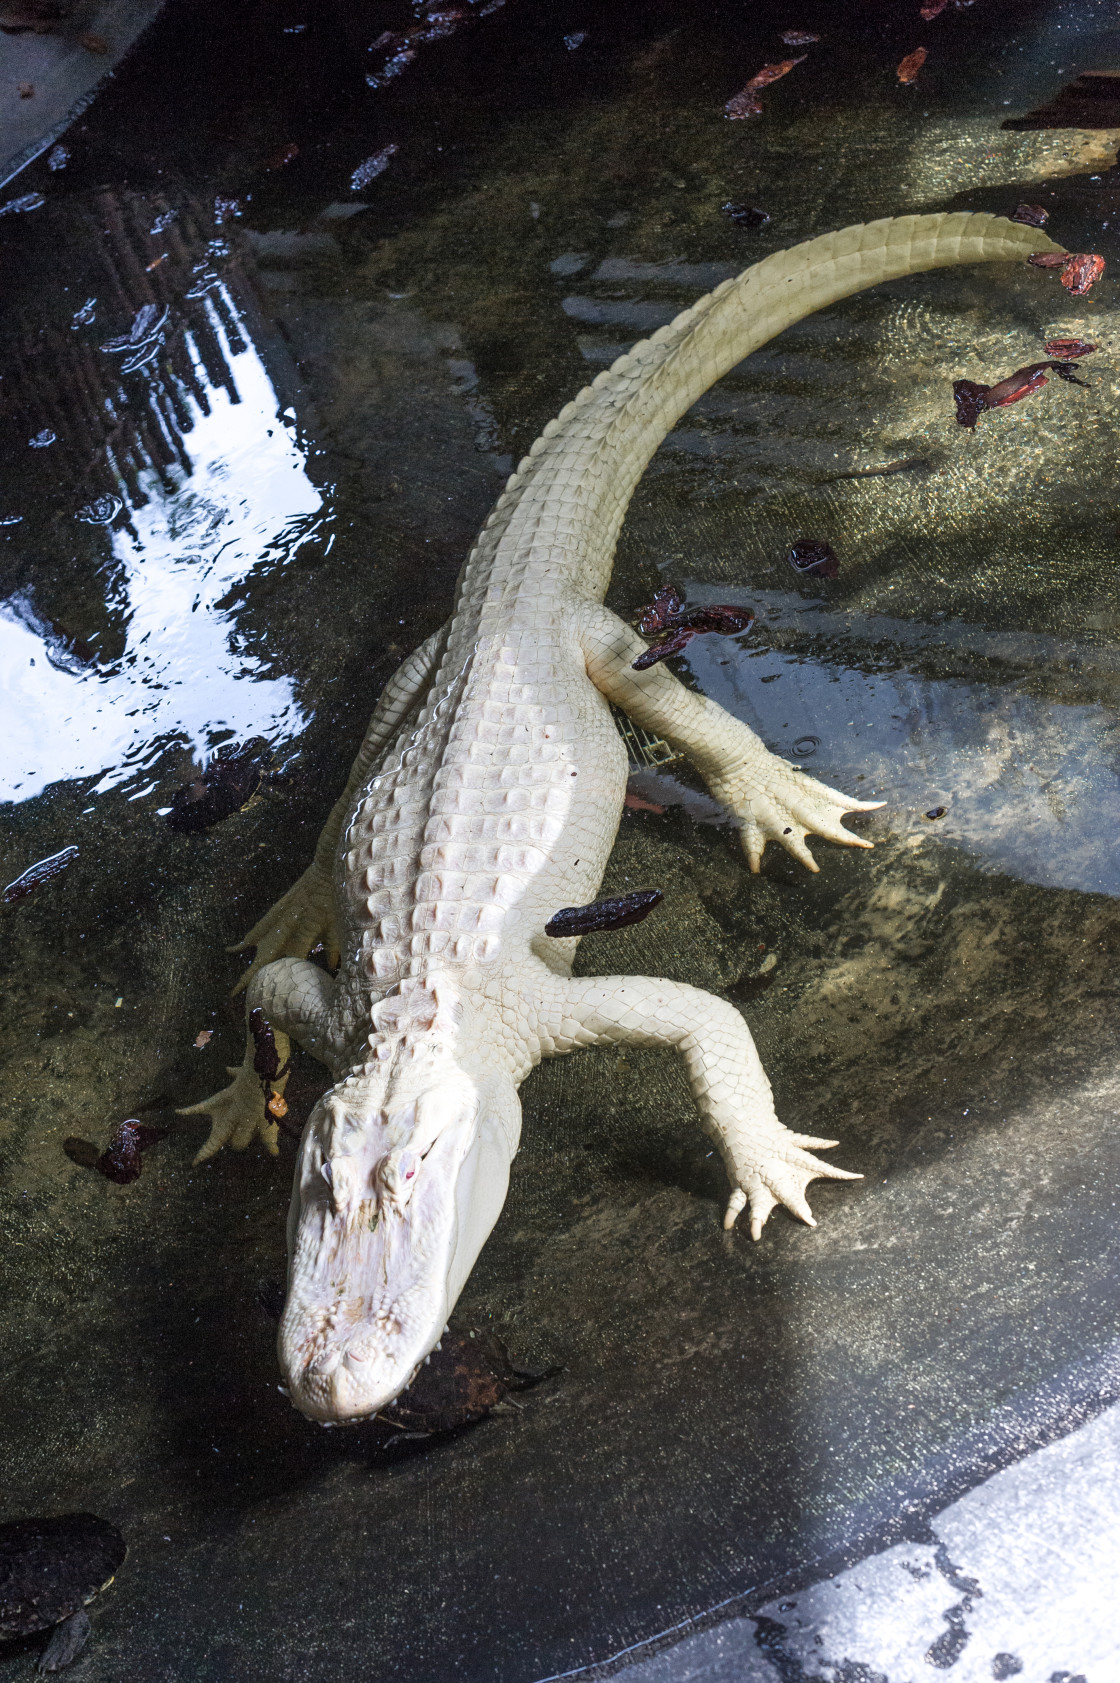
[[327, 1173]]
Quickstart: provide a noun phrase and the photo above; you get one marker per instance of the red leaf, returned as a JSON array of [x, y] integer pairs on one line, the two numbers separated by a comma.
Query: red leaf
[[1068, 350], [907, 71], [1080, 273]]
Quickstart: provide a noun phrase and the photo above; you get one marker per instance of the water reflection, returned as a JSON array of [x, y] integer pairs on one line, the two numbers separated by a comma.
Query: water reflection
[[197, 526], [1028, 783]]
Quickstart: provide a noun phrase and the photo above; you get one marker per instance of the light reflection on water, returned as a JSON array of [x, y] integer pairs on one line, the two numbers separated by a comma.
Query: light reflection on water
[[1028, 783], [185, 675]]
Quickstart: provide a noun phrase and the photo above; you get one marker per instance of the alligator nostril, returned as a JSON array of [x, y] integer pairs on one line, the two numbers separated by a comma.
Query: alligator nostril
[[353, 1356]]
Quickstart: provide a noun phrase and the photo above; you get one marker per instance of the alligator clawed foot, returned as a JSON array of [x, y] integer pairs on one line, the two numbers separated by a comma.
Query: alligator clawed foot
[[237, 1114], [782, 1180]]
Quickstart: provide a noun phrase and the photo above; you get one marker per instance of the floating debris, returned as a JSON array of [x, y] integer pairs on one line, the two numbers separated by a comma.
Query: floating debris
[[746, 216], [224, 210], [284, 157], [163, 221], [25, 202], [813, 556], [576, 40], [465, 1378], [220, 790], [668, 618], [1068, 350], [936, 812], [84, 317], [50, 1569], [96, 44], [745, 103], [1035, 216], [102, 511], [120, 1162], [10, 519], [972, 398], [43, 440], [392, 67], [202, 1039], [35, 876], [806, 746], [294, 28], [602, 915], [373, 167], [798, 38], [58, 157], [638, 803], [1080, 269], [268, 1068], [141, 344], [907, 71], [26, 90], [908, 464]]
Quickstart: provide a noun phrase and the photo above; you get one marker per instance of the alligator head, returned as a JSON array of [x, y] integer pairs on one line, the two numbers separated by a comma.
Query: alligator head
[[398, 1184]]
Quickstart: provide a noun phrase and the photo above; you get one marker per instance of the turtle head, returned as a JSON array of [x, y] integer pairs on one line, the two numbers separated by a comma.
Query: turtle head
[[396, 1190]]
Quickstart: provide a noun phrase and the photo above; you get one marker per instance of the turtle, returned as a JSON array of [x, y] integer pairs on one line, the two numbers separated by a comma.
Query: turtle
[[49, 1569]]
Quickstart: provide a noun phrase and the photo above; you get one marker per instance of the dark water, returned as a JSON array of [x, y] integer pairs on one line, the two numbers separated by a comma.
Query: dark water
[[279, 408]]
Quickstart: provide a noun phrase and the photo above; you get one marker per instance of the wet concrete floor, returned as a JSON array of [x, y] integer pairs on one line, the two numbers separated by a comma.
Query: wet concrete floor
[[252, 417]]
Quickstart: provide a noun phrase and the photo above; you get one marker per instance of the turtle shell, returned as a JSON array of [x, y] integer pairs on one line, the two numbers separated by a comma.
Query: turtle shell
[[51, 1567]]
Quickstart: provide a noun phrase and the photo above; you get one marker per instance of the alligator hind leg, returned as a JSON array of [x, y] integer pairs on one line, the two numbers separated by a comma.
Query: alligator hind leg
[[305, 914], [765, 1162], [297, 999], [772, 800]]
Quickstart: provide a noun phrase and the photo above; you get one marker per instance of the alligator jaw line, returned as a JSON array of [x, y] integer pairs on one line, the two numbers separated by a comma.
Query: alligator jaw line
[[487, 794]]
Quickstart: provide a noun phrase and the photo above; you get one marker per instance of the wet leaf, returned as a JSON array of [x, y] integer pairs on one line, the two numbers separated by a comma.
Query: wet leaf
[[466, 1377], [907, 71], [1068, 350], [227, 783], [1081, 272], [745, 103], [603, 915], [814, 556], [120, 1162], [373, 166], [1080, 269], [203, 1039], [1035, 216], [746, 216], [35, 876], [25, 202]]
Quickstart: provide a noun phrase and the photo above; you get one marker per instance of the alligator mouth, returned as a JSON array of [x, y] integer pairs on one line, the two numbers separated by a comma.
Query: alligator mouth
[[380, 1247]]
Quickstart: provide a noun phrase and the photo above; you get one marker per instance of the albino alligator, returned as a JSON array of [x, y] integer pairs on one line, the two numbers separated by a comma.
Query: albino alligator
[[485, 796]]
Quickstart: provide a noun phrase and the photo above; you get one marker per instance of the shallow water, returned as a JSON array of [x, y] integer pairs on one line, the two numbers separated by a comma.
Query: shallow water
[[255, 504]]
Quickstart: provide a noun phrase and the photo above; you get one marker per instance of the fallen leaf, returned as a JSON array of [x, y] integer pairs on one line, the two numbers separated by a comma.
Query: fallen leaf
[[1080, 269], [1081, 272], [95, 44], [1068, 350], [1033, 215], [203, 1038], [744, 104], [907, 71]]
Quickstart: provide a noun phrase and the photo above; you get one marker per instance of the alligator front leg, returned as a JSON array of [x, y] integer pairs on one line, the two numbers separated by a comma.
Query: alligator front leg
[[297, 999], [772, 800], [766, 1163]]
